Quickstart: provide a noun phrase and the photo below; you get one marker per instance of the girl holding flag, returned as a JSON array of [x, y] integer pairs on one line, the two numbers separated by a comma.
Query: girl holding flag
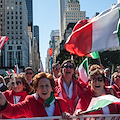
[[90, 97]]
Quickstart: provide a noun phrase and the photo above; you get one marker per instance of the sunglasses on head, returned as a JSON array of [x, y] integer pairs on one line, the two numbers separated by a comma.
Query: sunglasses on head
[[68, 66], [29, 73], [17, 83]]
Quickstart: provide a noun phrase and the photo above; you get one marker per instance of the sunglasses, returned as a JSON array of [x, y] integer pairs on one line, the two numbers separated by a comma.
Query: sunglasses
[[68, 66], [17, 83], [117, 76], [99, 79], [29, 73]]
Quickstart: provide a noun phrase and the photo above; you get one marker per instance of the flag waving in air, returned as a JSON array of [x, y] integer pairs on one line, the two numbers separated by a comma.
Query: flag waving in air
[[84, 71], [99, 33], [94, 55], [3, 40], [7, 73]]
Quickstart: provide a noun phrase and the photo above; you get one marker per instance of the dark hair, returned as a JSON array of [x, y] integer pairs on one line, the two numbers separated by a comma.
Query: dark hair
[[66, 61], [28, 88], [97, 72], [38, 77], [55, 64]]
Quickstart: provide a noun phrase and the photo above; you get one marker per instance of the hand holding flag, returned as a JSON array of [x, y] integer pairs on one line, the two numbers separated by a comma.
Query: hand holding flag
[[101, 102]]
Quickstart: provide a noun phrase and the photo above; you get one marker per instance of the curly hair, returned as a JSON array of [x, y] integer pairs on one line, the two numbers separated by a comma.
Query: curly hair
[[41, 75], [97, 72]]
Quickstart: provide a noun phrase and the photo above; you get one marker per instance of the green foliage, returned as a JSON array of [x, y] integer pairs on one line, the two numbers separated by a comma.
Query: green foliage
[[110, 57], [64, 55]]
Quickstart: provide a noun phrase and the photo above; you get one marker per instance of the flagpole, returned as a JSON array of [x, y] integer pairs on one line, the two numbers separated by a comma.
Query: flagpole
[[101, 66]]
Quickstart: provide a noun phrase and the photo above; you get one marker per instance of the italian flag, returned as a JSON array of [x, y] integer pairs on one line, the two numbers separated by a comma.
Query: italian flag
[[7, 73], [99, 33], [84, 71], [94, 55], [103, 101]]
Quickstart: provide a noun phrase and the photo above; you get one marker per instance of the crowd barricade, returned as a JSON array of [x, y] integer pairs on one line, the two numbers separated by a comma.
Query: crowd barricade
[[82, 117]]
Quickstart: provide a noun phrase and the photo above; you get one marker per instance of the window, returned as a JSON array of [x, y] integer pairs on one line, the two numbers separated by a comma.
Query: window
[[12, 3], [18, 47], [10, 47]]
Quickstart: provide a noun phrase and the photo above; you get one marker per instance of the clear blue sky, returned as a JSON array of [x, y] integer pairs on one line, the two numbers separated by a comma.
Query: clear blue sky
[[46, 16]]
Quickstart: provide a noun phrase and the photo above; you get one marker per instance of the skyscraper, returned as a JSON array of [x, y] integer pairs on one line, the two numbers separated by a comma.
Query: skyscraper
[[62, 9], [29, 4], [36, 34], [14, 25]]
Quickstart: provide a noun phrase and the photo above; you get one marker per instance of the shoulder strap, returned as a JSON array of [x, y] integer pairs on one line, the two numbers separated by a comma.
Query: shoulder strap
[[59, 105]]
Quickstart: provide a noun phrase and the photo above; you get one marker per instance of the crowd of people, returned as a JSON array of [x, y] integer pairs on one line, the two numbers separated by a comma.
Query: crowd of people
[[58, 94]]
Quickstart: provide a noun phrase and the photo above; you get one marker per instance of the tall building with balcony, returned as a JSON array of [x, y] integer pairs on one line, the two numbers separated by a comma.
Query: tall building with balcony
[[72, 13], [14, 25], [62, 9]]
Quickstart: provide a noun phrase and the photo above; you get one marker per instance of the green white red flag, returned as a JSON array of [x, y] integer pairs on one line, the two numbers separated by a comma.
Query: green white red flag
[[84, 71], [94, 55], [99, 33], [7, 73], [101, 102]]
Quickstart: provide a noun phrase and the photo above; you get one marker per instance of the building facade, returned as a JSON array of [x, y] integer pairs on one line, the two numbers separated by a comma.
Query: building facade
[[54, 44], [72, 13], [36, 34], [29, 4], [14, 25], [62, 9]]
